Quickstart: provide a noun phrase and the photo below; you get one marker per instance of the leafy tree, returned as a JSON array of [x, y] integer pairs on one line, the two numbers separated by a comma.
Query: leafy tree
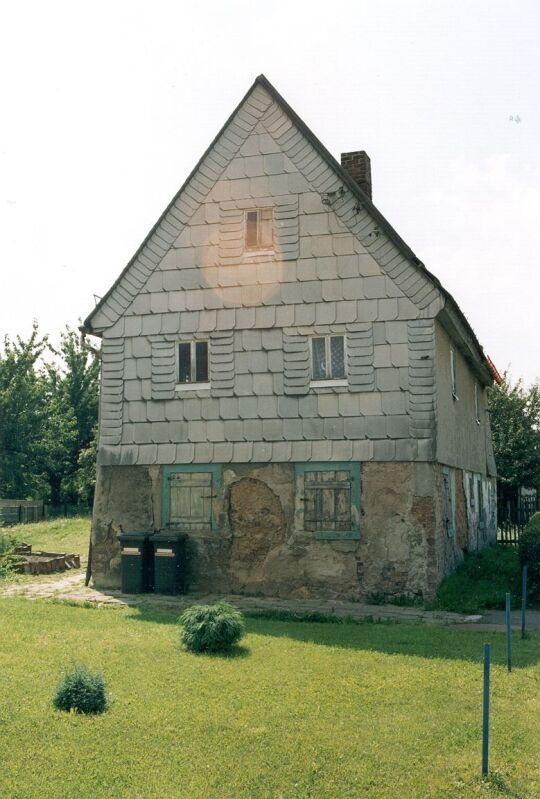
[[515, 426], [48, 415], [74, 388], [22, 414]]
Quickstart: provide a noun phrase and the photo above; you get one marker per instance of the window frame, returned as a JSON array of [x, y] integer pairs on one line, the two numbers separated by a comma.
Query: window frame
[[300, 470], [323, 382], [449, 501], [193, 384], [453, 373], [190, 468], [259, 249], [476, 403]]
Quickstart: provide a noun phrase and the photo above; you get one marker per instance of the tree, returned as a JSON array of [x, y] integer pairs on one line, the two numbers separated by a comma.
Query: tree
[[48, 416], [22, 414], [74, 387], [515, 426]]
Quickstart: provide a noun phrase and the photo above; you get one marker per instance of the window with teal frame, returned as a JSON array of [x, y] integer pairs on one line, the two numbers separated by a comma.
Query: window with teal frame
[[189, 495], [328, 500]]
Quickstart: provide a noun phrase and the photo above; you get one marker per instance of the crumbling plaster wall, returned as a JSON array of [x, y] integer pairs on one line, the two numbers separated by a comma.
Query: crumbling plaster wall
[[256, 549]]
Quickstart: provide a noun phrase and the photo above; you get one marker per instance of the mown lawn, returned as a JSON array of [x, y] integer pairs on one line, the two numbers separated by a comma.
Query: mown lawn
[[58, 535], [304, 711]]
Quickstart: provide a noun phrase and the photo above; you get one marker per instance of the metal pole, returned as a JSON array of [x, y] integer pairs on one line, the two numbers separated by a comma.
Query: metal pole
[[523, 599], [485, 712], [508, 635]]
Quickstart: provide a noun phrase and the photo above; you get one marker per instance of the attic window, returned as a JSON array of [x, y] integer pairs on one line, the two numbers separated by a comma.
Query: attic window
[[258, 229], [193, 362], [476, 404], [328, 358]]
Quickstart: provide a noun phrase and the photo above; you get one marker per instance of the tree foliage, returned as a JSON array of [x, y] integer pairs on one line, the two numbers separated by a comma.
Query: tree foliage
[[515, 426], [48, 417]]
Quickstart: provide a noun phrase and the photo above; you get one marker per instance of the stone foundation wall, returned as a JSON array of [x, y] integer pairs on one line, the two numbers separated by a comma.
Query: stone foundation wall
[[256, 549]]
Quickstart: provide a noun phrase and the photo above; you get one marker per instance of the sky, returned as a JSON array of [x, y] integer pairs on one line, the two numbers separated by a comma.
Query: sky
[[107, 106]]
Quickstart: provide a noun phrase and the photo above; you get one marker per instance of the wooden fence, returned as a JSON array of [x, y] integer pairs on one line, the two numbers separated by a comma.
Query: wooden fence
[[23, 511]]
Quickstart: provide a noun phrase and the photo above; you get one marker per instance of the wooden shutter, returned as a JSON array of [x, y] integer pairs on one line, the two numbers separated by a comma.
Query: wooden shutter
[[327, 501], [190, 497], [221, 357], [163, 369], [112, 373], [296, 377], [361, 371]]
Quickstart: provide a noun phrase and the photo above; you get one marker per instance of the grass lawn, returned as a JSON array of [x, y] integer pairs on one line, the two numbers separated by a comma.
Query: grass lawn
[[303, 711], [58, 535]]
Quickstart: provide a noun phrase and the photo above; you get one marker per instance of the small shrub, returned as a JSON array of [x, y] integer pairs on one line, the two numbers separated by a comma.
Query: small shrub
[[81, 690], [9, 560], [480, 582], [211, 628], [529, 555]]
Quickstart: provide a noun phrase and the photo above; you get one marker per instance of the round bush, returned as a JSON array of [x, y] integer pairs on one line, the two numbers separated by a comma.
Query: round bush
[[81, 690], [529, 554], [211, 628]]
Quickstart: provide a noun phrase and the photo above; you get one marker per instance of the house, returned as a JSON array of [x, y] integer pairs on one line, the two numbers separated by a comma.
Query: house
[[285, 381]]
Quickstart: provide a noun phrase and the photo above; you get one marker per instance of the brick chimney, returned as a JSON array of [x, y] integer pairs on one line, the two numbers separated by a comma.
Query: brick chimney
[[358, 166]]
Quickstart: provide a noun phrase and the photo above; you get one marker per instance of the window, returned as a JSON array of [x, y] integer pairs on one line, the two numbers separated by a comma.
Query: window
[[327, 499], [188, 494], [453, 373], [476, 404], [258, 229], [193, 362], [328, 358]]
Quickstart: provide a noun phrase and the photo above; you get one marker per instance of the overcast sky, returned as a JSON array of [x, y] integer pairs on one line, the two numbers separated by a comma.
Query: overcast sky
[[106, 108]]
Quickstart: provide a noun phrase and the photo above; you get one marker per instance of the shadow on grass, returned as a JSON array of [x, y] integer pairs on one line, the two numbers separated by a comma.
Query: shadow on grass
[[391, 638], [235, 652]]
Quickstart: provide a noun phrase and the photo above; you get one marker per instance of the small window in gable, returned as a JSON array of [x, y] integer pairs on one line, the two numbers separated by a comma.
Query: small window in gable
[[259, 229], [328, 358], [476, 404], [453, 373], [193, 362]]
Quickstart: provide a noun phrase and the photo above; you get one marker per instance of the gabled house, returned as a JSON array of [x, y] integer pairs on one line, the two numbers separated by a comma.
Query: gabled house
[[285, 381]]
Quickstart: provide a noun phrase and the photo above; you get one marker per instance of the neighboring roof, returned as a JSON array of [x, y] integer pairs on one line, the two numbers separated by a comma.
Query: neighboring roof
[[351, 184], [494, 372]]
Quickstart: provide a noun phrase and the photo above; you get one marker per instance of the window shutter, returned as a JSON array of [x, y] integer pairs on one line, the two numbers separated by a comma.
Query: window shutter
[[361, 371], [163, 369], [222, 363], [112, 353], [287, 238], [231, 234], [296, 364]]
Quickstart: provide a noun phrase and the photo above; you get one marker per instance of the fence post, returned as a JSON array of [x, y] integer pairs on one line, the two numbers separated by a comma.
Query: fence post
[[508, 634], [523, 599], [485, 713]]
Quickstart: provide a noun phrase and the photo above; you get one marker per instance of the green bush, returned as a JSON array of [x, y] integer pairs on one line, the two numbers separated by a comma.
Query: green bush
[[211, 628], [529, 555], [481, 581], [8, 559], [81, 690]]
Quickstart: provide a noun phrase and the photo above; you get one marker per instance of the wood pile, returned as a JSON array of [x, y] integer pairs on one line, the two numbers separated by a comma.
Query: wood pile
[[45, 562]]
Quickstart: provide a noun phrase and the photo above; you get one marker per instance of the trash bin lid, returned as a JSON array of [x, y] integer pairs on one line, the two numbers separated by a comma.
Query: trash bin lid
[[134, 536], [164, 536]]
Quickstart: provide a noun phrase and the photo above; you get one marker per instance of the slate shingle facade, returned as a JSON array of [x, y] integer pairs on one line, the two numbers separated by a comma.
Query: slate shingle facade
[[335, 268]]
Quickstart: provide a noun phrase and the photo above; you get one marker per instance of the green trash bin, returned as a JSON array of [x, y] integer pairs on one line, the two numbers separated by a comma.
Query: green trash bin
[[137, 562], [169, 562]]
